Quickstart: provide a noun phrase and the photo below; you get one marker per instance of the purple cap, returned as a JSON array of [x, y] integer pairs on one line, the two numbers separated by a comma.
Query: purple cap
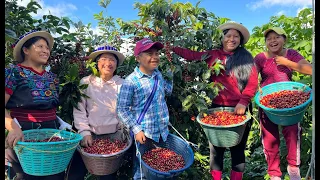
[[146, 44]]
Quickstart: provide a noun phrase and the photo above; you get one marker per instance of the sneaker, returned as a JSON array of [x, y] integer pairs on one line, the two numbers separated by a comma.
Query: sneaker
[[294, 173], [275, 178]]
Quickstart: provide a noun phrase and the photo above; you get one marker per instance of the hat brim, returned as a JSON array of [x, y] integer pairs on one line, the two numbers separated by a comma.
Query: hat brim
[[156, 45], [244, 31], [120, 56], [17, 49], [275, 30]]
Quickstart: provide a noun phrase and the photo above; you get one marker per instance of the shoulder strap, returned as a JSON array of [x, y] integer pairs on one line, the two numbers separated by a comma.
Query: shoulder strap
[[147, 104]]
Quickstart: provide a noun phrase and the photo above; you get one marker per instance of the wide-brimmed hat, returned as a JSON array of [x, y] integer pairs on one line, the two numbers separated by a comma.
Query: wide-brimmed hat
[[145, 44], [234, 25], [107, 49], [277, 30], [22, 39]]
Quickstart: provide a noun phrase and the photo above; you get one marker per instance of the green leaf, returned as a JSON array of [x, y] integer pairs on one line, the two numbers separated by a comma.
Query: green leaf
[[83, 86], [201, 105], [10, 33], [205, 56], [198, 3], [206, 75], [187, 103], [187, 100], [198, 26], [95, 71], [66, 23], [217, 67], [84, 95], [307, 48], [199, 86], [33, 3], [74, 72], [302, 43]]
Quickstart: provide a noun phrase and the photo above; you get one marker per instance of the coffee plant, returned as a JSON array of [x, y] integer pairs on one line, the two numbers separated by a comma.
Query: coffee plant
[[174, 24]]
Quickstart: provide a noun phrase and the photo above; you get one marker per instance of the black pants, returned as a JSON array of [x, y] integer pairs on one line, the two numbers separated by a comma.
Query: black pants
[[16, 169], [237, 152]]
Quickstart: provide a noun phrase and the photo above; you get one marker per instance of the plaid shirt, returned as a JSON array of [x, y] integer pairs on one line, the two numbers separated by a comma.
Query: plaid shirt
[[133, 95]]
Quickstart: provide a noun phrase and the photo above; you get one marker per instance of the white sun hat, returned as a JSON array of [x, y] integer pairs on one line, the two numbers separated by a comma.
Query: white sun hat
[[22, 39], [234, 25], [107, 49]]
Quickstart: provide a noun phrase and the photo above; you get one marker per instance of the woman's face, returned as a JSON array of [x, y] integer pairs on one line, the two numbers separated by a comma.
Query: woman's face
[[107, 64], [274, 42], [38, 52], [231, 40]]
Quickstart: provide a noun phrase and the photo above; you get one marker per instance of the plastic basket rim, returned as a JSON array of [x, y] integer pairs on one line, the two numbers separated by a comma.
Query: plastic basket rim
[[172, 171], [106, 155], [77, 138], [257, 99], [226, 126]]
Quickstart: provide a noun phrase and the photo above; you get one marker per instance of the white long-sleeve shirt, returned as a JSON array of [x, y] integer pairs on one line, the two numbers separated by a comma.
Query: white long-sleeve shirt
[[98, 112]]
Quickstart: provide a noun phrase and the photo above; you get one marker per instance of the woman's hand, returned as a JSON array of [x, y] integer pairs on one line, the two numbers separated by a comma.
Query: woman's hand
[[87, 141], [14, 136], [10, 155], [240, 109], [280, 60]]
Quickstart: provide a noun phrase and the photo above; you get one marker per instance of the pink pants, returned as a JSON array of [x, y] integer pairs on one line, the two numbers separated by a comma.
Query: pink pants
[[271, 143]]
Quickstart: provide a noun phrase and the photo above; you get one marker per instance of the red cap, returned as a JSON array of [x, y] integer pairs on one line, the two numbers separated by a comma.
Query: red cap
[[146, 44]]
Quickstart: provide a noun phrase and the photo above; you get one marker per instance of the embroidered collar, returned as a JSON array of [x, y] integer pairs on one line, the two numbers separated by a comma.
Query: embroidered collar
[[33, 70]]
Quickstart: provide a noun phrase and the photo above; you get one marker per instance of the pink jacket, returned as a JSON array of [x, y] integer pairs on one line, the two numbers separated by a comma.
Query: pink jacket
[[98, 113]]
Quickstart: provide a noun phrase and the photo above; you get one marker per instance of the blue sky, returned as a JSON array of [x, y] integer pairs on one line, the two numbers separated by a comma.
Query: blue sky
[[250, 13]]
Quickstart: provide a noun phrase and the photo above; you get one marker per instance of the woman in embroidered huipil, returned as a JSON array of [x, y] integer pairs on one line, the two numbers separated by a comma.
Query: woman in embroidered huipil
[[31, 95], [97, 114], [275, 65], [240, 81]]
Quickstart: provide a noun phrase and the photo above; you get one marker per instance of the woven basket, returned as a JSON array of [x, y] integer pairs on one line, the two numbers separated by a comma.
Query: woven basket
[[173, 143], [99, 164], [286, 116], [46, 158], [224, 136]]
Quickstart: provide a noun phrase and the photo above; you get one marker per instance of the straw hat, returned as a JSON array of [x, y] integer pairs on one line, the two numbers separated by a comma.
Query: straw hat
[[234, 25], [107, 49], [22, 39]]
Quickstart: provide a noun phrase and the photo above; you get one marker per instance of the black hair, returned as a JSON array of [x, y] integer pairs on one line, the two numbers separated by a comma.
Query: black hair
[[265, 37], [30, 42], [98, 57], [240, 63]]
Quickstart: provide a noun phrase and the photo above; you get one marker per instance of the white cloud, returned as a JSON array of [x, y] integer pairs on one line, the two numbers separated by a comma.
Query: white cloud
[[282, 12], [59, 10], [23, 2], [96, 30], [269, 3]]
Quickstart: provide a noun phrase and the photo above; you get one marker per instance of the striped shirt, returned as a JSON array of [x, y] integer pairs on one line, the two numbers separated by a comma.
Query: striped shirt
[[133, 95]]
